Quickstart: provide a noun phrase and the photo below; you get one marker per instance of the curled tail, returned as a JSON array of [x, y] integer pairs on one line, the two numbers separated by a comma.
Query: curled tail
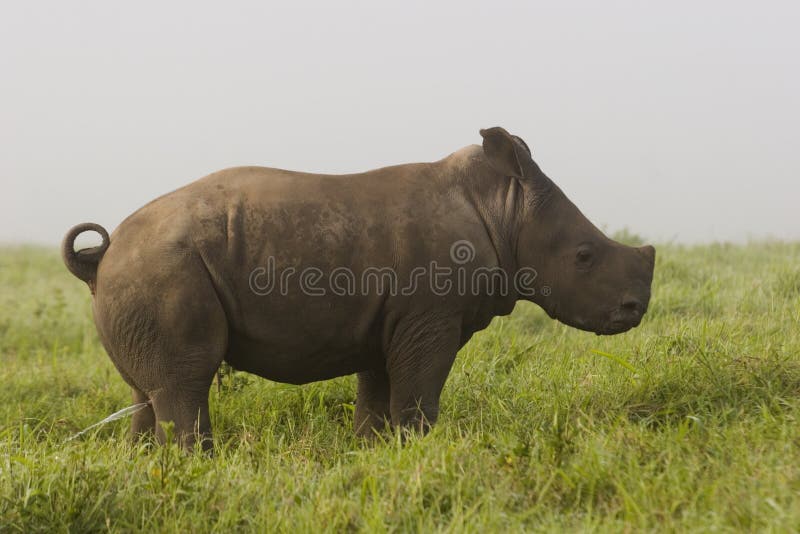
[[83, 263]]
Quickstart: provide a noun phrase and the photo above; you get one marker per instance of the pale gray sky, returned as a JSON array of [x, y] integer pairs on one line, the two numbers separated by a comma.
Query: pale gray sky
[[679, 120]]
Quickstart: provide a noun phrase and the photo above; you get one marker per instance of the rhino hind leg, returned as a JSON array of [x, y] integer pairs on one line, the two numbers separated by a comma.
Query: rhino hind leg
[[194, 345], [143, 424], [187, 410], [167, 344], [179, 393]]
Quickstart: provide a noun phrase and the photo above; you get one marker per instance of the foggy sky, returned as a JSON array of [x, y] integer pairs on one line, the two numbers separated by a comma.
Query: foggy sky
[[678, 120]]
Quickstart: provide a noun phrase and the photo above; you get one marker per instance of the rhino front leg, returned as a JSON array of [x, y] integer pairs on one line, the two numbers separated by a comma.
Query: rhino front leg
[[372, 402], [422, 352]]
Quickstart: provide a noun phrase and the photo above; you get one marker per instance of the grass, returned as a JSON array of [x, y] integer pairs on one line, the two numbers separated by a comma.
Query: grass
[[687, 423]]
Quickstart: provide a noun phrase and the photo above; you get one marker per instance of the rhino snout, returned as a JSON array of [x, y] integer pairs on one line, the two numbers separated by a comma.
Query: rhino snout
[[627, 314], [633, 306]]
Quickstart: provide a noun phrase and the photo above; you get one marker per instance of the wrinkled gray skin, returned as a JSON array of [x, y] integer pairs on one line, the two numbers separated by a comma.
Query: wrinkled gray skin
[[172, 295]]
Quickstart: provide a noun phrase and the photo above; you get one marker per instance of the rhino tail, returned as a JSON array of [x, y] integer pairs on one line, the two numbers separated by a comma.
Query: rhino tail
[[83, 263]]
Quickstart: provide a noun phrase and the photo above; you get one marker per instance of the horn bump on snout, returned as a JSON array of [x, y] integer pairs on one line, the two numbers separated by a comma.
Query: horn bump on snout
[[649, 252]]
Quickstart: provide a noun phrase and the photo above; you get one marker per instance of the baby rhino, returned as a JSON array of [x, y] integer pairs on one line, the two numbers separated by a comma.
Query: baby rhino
[[299, 277]]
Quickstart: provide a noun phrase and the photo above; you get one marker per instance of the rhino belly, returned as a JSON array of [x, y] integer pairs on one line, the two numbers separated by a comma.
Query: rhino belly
[[296, 364]]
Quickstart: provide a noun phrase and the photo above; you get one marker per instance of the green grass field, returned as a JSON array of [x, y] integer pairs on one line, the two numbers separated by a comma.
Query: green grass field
[[537, 433]]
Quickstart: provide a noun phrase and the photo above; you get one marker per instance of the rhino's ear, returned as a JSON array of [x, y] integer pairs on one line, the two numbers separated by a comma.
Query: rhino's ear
[[507, 153]]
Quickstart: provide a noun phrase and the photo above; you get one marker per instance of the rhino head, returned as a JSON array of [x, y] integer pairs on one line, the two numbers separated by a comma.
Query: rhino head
[[592, 282]]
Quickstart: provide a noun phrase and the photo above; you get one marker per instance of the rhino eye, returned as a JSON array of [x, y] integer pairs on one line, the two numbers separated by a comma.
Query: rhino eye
[[584, 257]]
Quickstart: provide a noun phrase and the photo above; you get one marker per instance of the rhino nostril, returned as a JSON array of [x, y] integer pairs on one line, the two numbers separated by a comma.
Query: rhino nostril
[[632, 304]]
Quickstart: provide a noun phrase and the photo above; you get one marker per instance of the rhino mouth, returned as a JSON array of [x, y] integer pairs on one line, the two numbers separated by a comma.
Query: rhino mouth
[[619, 325], [615, 327], [619, 321]]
